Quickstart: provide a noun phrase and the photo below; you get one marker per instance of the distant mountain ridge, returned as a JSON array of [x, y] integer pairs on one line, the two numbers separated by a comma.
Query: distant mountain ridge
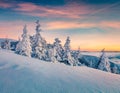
[[2, 39]]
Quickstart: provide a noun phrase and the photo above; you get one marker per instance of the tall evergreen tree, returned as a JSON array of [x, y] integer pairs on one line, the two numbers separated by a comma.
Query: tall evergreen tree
[[76, 56], [18, 46], [58, 49], [104, 62], [67, 53], [115, 69], [39, 44], [52, 53], [24, 46]]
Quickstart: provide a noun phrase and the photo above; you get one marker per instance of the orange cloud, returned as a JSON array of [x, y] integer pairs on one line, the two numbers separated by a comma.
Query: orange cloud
[[67, 25], [54, 25]]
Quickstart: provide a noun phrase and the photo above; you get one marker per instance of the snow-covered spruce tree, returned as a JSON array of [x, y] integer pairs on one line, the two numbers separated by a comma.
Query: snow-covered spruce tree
[[39, 44], [6, 44], [51, 55], [18, 46], [24, 45], [58, 50], [115, 70], [76, 56], [67, 57], [104, 62]]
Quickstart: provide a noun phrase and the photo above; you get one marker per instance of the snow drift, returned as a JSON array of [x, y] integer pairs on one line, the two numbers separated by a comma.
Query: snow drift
[[19, 74]]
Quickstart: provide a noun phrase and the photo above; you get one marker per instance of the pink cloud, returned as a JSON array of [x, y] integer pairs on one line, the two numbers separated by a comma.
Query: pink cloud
[[110, 24], [5, 5], [14, 29], [26, 7], [71, 11]]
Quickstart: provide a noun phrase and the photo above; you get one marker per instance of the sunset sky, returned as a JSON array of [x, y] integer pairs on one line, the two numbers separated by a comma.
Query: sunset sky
[[91, 24]]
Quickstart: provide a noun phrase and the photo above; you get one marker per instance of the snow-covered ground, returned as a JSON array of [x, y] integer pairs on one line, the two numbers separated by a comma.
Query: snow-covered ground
[[19, 74]]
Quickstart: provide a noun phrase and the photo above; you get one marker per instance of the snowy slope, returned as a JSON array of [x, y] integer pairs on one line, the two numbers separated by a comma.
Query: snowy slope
[[19, 74]]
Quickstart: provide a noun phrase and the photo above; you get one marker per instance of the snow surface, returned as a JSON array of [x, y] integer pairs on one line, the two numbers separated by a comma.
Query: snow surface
[[19, 74]]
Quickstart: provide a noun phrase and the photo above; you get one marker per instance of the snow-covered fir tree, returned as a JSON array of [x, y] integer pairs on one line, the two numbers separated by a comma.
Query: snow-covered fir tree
[[115, 69], [18, 46], [58, 50], [76, 56], [24, 45], [67, 57], [39, 44], [51, 55], [6, 44], [104, 63]]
